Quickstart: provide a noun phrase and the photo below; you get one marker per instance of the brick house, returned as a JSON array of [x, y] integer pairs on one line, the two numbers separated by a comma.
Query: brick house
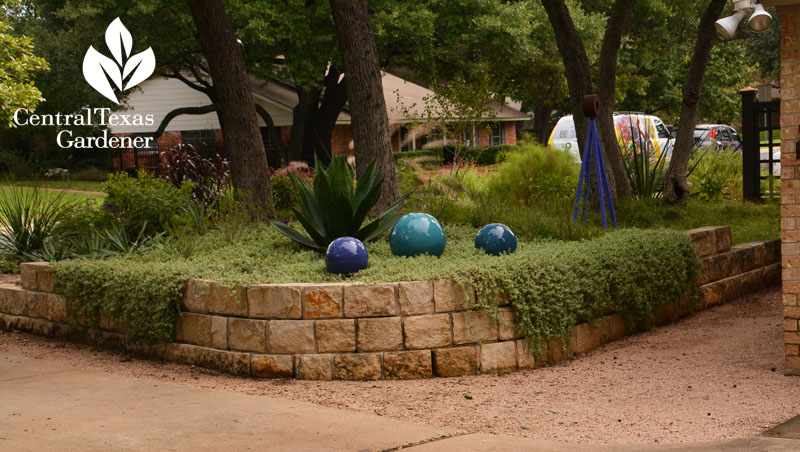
[[404, 100], [790, 177]]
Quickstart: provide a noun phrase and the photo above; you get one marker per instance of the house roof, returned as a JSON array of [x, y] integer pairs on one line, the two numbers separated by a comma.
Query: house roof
[[405, 101]]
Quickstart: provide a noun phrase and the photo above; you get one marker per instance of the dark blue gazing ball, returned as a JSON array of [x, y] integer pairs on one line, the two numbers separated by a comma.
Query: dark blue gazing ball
[[416, 234], [345, 256], [496, 239]]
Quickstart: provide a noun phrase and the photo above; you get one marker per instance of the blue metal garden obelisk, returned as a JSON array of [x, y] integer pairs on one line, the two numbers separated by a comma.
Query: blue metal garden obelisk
[[593, 152]]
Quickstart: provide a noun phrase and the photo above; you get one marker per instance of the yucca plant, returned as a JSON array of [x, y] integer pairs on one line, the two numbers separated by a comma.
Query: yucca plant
[[645, 174], [29, 220], [337, 207]]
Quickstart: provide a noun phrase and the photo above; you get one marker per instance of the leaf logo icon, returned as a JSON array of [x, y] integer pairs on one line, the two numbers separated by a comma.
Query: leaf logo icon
[[124, 71]]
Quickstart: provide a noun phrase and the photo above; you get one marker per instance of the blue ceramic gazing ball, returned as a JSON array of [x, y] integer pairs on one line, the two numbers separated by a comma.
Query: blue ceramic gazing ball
[[496, 239], [416, 234], [345, 256]]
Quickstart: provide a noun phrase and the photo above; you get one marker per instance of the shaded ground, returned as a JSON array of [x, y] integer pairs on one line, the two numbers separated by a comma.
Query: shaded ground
[[715, 375]]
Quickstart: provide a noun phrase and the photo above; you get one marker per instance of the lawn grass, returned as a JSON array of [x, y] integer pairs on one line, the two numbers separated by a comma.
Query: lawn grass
[[59, 184], [748, 221], [68, 196]]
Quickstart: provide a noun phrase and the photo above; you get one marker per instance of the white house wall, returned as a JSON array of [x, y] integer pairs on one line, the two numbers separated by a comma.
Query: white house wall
[[160, 96]]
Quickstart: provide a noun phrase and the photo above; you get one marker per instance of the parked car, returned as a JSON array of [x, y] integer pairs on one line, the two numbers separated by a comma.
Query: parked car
[[635, 130], [719, 135]]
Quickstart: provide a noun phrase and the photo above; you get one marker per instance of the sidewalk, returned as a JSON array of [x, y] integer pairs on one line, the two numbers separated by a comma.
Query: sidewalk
[[45, 407]]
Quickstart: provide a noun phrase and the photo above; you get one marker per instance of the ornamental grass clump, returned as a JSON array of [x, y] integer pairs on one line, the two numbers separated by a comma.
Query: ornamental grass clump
[[337, 207], [29, 220]]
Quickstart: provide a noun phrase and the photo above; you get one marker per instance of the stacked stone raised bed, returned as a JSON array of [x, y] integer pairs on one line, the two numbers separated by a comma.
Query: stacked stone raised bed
[[368, 332]]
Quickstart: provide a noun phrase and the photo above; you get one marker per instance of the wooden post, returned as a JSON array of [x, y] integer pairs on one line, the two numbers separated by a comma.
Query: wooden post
[[751, 156]]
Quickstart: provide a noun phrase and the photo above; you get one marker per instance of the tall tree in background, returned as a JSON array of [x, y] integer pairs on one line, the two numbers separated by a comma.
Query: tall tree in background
[[676, 188], [579, 79], [18, 66], [236, 105], [371, 137]]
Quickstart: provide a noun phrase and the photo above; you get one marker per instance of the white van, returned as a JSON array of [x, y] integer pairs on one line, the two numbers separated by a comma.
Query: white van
[[634, 130]]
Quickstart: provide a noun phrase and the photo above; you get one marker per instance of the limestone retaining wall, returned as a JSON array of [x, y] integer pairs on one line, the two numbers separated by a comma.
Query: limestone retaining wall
[[368, 331]]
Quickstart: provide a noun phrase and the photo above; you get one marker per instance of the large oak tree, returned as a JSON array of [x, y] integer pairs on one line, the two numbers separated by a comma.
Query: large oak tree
[[676, 187], [236, 107], [579, 80], [370, 123]]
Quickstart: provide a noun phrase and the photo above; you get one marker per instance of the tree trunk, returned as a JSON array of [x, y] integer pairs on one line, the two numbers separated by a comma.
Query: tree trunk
[[300, 145], [576, 63], [607, 91], [676, 187], [370, 122], [235, 102], [333, 101], [579, 81], [542, 114]]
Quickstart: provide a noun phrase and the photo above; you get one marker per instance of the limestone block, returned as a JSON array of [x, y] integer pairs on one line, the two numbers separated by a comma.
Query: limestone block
[[358, 366], [380, 334], [336, 335], [427, 331], [455, 362], [415, 297], [291, 336], [499, 357], [371, 300], [450, 296], [13, 299], [473, 326], [313, 367], [274, 302], [271, 366], [247, 335], [407, 365], [323, 302]]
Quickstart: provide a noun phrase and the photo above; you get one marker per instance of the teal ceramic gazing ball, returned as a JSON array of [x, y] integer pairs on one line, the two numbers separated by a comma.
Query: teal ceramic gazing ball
[[496, 239], [416, 234]]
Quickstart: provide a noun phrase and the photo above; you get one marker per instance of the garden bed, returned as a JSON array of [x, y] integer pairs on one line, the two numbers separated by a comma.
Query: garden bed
[[396, 330]]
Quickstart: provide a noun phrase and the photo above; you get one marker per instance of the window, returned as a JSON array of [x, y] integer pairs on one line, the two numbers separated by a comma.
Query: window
[[266, 138], [723, 134], [470, 136], [497, 134], [405, 140], [661, 129], [200, 139]]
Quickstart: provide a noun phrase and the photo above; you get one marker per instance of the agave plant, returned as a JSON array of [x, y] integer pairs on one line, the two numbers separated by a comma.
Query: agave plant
[[336, 207]]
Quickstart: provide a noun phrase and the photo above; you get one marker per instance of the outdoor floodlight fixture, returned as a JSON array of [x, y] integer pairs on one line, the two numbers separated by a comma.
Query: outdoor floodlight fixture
[[759, 21]]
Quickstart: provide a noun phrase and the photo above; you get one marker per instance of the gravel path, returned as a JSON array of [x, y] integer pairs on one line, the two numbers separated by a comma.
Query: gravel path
[[716, 375]]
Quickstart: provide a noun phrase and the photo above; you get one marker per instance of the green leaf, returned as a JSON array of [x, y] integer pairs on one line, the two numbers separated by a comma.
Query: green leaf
[[294, 235]]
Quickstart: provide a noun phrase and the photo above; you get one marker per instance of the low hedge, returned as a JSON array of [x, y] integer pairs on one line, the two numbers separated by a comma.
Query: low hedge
[[551, 285], [481, 155], [435, 152]]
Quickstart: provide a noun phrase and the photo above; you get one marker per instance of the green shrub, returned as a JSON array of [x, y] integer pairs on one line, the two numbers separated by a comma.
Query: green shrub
[[434, 153], [480, 155], [90, 173], [282, 186], [717, 174], [633, 272], [8, 264], [147, 199], [141, 297], [14, 166], [532, 173]]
